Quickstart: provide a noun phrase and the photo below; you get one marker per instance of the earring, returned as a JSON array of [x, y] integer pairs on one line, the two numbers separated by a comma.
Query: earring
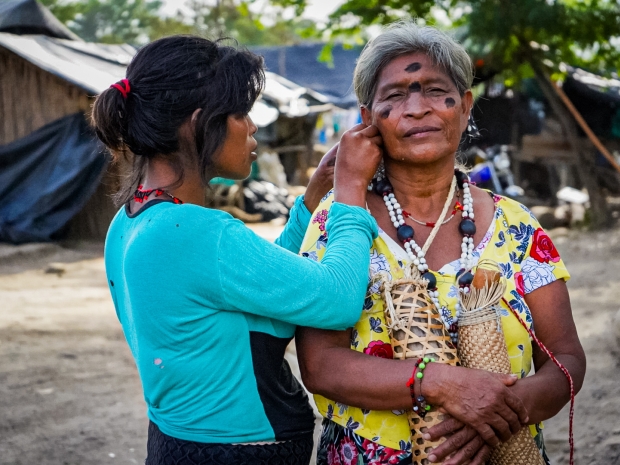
[[379, 175], [472, 129]]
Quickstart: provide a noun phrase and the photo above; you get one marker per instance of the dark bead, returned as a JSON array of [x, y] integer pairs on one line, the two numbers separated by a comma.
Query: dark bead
[[404, 232], [453, 328], [432, 281], [467, 227], [466, 279], [461, 178], [383, 186]]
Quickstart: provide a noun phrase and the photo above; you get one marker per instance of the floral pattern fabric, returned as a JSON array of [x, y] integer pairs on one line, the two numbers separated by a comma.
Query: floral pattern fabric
[[527, 258]]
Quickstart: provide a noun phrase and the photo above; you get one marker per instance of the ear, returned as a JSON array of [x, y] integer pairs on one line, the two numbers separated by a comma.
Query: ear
[[467, 102], [366, 115]]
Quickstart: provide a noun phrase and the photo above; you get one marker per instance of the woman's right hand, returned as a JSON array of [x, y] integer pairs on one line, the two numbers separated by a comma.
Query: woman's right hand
[[477, 398], [359, 153]]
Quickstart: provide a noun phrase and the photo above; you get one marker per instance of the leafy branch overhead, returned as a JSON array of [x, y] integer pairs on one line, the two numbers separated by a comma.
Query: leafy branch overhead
[[502, 35]]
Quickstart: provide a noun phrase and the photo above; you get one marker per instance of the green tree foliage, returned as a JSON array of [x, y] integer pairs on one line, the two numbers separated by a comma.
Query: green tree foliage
[[139, 21]]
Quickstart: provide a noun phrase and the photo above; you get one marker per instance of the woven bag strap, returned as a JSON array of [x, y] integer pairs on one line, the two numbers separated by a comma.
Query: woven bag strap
[[561, 367]]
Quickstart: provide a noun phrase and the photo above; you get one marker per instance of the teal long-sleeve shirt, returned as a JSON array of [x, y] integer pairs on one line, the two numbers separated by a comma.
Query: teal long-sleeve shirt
[[208, 307]]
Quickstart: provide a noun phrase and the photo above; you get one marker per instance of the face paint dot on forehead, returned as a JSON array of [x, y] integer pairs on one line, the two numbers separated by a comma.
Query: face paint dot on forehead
[[413, 67], [450, 102], [415, 87], [386, 112]]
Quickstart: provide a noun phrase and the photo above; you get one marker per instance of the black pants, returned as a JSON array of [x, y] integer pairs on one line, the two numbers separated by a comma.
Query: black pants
[[166, 450]]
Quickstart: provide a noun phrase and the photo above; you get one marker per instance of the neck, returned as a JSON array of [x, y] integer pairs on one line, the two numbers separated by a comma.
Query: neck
[[421, 189], [160, 174]]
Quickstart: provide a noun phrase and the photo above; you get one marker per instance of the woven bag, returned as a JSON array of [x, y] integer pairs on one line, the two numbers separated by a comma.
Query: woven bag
[[416, 331], [482, 345]]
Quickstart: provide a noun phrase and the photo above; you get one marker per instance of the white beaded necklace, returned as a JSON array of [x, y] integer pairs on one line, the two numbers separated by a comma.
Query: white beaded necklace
[[417, 254]]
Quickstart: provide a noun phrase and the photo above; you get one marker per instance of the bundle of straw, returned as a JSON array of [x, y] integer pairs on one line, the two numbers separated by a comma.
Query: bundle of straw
[[416, 331], [482, 346]]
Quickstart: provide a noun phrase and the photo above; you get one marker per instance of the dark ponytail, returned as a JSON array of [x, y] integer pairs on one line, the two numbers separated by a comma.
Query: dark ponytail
[[169, 79]]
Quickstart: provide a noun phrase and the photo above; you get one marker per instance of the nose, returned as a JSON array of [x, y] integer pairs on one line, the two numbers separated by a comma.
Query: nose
[[416, 106], [251, 126]]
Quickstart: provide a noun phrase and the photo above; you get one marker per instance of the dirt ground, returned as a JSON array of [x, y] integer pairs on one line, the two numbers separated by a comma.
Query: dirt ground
[[70, 394]]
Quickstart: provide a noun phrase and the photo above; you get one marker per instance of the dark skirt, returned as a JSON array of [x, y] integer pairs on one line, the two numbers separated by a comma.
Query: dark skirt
[[165, 450]]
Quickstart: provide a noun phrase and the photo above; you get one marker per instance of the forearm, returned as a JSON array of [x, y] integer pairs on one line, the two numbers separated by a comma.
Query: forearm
[[353, 378], [546, 392]]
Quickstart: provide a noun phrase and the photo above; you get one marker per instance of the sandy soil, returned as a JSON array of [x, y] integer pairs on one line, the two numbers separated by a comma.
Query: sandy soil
[[69, 391]]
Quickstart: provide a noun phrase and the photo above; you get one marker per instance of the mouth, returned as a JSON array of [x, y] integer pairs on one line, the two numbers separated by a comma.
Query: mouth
[[253, 155], [421, 131]]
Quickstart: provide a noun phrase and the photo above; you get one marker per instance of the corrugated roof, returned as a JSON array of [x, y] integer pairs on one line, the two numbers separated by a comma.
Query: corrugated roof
[[93, 67]]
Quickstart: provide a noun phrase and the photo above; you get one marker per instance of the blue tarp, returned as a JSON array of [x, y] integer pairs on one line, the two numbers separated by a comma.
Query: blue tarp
[[46, 178], [300, 64]]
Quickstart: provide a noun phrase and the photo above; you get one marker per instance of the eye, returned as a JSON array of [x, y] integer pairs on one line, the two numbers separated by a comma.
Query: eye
[[394, 95], [436, 90]]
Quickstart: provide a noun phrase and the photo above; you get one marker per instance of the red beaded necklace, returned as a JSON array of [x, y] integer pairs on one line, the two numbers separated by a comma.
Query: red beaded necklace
[[140, 195]]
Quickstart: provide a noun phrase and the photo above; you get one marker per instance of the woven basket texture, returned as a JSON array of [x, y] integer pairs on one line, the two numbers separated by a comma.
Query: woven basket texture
[[482, 346], [418, 332]]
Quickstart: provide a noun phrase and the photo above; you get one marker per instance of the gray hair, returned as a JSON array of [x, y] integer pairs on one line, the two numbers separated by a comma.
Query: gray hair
[[402, 38]]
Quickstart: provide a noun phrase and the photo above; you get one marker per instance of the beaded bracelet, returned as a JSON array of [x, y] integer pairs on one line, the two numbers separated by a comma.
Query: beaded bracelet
[[422, 407]]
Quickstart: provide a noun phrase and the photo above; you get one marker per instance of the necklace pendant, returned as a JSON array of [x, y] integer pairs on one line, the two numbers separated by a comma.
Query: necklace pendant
[[432, 280], [405, 232]]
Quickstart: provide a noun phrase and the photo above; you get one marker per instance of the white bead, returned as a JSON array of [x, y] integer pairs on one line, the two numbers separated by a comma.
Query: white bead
[[386, 198], [470, 240], [422, 260], [463, 256], [408, 246], [416, 262], [464, 240], [393, 200], [396, 204], [465, 214], [421, 267], [391, 196], [470, 246], [390, 207], [399, 211], [396, 225], [419, 252], [471, 215], [465, 185]]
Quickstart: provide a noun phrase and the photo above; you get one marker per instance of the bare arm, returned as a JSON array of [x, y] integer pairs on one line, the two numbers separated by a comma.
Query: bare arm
[[546, 392], [475, 397], [318, 351]]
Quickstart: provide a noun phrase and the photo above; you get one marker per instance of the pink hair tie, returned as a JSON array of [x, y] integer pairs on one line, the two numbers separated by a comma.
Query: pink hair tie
[[123, 87]]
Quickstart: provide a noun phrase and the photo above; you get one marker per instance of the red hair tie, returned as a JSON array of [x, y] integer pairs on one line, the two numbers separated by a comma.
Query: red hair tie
[[124, 88]]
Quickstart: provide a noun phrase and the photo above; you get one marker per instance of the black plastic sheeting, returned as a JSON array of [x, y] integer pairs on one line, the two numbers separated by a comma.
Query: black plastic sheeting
[[46, 178]]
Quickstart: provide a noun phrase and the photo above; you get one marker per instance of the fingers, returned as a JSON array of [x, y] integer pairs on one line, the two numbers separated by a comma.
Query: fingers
[[512, 419], [454, 444], [515, 403], [502, 428], [487, 433], [449, 426], [481, 457], [467, 451]]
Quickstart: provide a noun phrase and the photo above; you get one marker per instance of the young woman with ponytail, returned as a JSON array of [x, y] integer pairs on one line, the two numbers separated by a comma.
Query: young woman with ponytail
[[207, 306]]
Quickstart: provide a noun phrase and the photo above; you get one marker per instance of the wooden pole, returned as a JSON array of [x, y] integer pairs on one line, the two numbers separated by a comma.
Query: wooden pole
[[593, 138]]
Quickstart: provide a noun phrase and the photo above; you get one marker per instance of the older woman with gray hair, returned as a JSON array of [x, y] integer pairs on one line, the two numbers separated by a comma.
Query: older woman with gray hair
[[413, 84]]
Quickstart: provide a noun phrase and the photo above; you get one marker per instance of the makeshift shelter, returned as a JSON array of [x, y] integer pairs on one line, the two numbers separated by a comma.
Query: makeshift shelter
[[300, 64], [55, 179]]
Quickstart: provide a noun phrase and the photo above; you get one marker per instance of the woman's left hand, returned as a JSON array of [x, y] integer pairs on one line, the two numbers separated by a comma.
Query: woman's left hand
[[463, 444], [322, 180]]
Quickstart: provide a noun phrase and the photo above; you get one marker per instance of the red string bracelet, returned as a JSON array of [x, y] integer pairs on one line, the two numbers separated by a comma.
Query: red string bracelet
[[561, 367]]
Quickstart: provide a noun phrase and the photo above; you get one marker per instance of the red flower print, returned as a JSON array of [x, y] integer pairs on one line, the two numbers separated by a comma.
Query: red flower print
[[332, 455], [519, 283], [370, 449], [543, 249], [379, 349], [348, 451]]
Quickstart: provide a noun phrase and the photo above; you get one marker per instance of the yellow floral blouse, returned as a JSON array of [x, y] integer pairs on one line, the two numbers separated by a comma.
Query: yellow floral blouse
[[514, 240]]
